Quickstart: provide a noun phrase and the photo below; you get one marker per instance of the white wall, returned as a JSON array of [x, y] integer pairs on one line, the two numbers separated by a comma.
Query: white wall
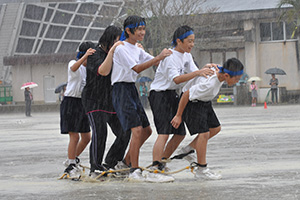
[[25, 73]]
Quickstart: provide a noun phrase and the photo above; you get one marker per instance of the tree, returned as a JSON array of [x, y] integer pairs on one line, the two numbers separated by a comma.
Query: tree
[[164, 16], [292, 15]]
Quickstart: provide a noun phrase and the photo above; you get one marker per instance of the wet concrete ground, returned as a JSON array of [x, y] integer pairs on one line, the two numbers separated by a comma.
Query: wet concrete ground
[[257, 152]]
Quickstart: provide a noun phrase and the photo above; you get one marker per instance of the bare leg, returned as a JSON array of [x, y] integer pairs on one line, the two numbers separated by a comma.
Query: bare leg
[[159, 146], [201, 147], [84, 141], [74, 138], [172, 145], [146, 132], [212, 133], [139, 136]]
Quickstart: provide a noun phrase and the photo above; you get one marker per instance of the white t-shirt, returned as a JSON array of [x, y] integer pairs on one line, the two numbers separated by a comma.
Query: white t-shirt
[[203, 89], [76, 81], [124, 59], [172, 66]]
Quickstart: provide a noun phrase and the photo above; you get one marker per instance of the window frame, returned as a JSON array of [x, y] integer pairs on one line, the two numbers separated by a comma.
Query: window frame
[[284, 29]]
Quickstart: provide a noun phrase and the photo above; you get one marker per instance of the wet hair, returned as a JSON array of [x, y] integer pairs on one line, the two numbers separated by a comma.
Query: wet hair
[[109, 36], [179, 32], [83, 47], [233, 65], [133, 19]]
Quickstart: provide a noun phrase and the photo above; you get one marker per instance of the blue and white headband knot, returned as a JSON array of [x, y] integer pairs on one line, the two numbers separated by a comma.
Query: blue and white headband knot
[[231, 73], [185, 35], [79, 54], [123, 37]]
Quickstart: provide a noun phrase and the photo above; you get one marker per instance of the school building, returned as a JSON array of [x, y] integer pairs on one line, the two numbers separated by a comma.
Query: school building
[[39, 37]]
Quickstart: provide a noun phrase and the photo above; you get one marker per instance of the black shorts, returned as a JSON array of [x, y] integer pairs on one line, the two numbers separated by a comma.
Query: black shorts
[[164, 106], [128, 106], [199, 117], [73, 117]]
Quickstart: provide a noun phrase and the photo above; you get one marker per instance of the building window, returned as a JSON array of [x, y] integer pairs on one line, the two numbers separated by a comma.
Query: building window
[[61, 27], [274, 31]]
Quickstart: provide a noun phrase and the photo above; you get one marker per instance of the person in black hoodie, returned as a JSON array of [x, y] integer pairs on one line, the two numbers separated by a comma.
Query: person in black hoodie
[[97, 101]]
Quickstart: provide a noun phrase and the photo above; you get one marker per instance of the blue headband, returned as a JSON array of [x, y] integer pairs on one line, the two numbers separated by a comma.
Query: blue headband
[[79, 54], [123, 37], [231, 73], [185, 35]]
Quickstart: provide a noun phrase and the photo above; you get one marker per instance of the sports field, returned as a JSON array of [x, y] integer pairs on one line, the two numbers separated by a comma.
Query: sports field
[[257, 152]]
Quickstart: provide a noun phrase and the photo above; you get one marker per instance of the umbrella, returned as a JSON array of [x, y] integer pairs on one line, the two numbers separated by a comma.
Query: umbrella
[[275, 70], [29, 84], [60, 87], [144, 79], [254, 78]]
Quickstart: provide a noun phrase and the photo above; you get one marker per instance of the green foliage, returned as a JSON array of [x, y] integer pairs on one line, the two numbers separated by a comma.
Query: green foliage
[[292, 15]]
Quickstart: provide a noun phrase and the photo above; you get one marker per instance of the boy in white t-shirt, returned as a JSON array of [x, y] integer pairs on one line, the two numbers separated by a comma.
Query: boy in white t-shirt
[[171, 74], [128, 61], [197, 112]]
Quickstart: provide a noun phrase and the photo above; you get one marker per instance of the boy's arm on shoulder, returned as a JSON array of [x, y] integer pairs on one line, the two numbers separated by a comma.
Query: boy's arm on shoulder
[[105, 67], [79, 62], [186, 77], [141, 67]]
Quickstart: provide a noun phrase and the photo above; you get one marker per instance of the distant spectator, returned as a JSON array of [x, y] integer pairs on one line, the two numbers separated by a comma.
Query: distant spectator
[[144, 94], [28, 100], [274, 87], [254, 95]]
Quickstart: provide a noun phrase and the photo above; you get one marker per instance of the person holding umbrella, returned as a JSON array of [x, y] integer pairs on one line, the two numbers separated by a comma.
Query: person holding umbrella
[[274, 87], [28, 99], [274, 81], [28, 96]]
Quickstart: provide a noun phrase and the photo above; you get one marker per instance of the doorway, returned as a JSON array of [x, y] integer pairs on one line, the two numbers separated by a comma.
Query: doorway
[[49, 88]]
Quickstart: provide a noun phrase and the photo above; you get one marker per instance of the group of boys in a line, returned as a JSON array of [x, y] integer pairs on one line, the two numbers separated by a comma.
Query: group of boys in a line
[[101, 90]]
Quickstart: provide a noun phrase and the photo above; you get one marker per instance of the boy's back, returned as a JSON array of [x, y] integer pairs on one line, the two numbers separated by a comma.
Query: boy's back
[[203, 89]]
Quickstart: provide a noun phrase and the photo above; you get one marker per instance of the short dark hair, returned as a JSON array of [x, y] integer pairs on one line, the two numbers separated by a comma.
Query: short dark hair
[[108, 37], [133, 19], [233, 64], [180, 31], [84, 47]]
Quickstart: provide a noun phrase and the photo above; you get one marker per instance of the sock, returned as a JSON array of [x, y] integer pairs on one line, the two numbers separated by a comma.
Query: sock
[[160, 165], [205, 165]]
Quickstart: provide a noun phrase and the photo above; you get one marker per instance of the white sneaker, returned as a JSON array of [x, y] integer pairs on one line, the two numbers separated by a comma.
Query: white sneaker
[[158, 177], [121, 166], [190, 157], [136, 175], [73, 171], [66, 163], [205, 172], [95, 174]]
